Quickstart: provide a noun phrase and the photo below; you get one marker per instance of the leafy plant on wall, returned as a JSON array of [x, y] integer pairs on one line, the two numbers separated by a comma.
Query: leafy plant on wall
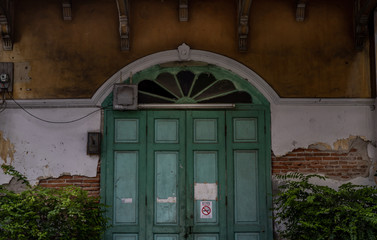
[[44, 213], [310, 211]]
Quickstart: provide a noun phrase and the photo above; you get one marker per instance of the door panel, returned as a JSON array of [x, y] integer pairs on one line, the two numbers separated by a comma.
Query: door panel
[[125, 237], [166, 188], [205, 130], [245, 130], [247, 192], [195, 175], [165, 174], [166, 237], [166, 130], [205, 187], [126, 130], [206, 237], [125, 188], [245, 184], [123, 174], [247, 236], [206, 174]]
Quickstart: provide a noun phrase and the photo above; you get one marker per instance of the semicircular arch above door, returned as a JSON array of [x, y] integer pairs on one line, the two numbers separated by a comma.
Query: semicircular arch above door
[[196, 84]]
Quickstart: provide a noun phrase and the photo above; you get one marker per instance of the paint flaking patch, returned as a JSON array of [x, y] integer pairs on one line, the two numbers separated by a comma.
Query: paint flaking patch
[[6, 149]]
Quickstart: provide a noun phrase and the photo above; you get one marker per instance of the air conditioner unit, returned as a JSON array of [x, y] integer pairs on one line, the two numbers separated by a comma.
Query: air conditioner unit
[[125, 97]]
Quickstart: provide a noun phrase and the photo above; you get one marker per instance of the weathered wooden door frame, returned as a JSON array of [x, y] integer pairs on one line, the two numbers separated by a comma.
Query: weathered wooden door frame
[[259, 104]]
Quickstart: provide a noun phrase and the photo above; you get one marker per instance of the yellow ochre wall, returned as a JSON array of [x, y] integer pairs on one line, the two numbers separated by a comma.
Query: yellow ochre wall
[[72, 59]]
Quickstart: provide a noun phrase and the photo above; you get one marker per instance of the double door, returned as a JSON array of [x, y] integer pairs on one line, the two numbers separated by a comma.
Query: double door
[[196, 175]]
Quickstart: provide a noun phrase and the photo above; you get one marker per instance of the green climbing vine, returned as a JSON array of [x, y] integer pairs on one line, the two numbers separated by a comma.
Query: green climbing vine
[[45, 213], [310, 211]]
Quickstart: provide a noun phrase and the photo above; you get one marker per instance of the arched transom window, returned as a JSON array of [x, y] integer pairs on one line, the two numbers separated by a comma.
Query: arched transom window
[[186, 87]]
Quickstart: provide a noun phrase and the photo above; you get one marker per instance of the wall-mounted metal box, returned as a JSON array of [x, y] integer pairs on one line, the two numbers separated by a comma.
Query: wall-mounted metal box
[[125, 97], [6, 76], [94, 143]]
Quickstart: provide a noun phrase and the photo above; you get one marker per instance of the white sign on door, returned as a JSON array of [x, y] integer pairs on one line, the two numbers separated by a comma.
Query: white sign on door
[[205, 209], [205, 191]]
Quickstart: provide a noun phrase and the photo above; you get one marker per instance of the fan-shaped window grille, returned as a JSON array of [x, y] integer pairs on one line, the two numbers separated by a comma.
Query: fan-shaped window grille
[[186, 87]]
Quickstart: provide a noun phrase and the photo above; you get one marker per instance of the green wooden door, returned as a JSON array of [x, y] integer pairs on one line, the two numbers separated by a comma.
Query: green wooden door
[[247, 212], [197, 175], [165, 175]]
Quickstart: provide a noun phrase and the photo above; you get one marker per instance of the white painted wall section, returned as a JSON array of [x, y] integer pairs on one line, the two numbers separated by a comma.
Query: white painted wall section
[[43, 149], [300, 126]]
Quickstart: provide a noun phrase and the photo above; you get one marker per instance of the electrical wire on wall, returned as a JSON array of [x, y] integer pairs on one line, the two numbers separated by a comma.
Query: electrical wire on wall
[[4, 104]]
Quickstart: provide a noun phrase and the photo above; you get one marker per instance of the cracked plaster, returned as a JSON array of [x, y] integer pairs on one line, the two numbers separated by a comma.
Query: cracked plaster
[[45, 149]]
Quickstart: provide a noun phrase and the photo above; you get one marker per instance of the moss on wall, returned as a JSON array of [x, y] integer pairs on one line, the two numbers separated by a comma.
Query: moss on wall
[[72, 59]]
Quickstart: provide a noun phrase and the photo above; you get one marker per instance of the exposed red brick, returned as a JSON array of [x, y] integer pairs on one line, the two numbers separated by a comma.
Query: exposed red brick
[[339, 154], [305, 154], [75, 181], [56, 180], [281, 167], [322, 154], [312, 158], [89, 184], [332, 163], [65, 177], [307, 171], [331, 158]]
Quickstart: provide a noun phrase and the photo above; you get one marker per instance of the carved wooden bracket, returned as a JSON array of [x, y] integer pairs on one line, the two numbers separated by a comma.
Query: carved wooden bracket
[[6, 23], [183, 10], [363, 12], [300, 10], [124, 27], [67, 10], [244, 7]]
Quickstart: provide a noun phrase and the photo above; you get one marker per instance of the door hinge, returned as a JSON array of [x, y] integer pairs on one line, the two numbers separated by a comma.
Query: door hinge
[[226, 201], [146, 201], [226, 130]]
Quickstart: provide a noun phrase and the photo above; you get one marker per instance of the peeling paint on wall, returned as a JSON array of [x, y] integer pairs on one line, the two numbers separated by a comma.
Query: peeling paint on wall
[[37, 148], [345, 144], [15, 186], [348, 160], [6, 149], [328, 127]]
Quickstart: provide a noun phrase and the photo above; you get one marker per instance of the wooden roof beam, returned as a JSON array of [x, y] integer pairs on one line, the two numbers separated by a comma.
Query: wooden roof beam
[[67, 10], [244, 7], [362, 13], [300, 10], [6, 23], [183, 10], [124, 27]]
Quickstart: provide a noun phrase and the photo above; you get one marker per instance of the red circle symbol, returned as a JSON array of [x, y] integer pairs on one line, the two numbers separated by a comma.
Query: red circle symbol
[[206, 210]]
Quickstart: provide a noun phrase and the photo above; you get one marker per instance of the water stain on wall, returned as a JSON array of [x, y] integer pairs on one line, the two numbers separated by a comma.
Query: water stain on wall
[[6, 149]]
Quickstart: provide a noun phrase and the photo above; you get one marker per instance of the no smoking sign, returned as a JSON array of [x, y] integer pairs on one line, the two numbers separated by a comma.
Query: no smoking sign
[[205, 209]]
